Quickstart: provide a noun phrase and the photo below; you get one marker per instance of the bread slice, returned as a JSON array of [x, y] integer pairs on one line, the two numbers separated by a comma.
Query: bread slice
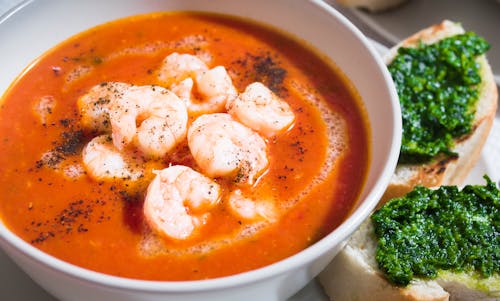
[[372, 5], [447, 171], [354, 275]]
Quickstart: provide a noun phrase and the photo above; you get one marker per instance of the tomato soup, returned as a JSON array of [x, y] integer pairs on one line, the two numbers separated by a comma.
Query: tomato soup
[[315, 174]]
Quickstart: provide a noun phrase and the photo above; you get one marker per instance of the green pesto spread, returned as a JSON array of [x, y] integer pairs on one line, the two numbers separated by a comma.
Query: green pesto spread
[[428, 231], [438, 87]]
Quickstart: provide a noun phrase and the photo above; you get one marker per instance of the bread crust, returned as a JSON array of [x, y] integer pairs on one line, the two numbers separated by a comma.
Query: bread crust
[[447, 171]]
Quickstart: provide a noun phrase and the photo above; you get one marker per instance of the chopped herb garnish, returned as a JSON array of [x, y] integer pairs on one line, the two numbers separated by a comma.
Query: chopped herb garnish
[[443, 229], [438, 88]]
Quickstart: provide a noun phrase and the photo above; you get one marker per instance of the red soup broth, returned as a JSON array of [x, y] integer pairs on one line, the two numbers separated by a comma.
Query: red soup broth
[[316, 172]]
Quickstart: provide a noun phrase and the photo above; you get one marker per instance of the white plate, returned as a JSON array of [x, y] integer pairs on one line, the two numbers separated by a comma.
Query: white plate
[[482, 17], [16, 285]]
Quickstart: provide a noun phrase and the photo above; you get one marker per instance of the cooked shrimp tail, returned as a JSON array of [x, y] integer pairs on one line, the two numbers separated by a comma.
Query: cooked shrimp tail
[[203, 90], [179, 200], [102, 161], [222, 146], [262, 110], [251, 209]]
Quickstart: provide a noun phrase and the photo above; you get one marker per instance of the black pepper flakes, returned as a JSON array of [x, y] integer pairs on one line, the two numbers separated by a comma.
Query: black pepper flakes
[[72, 142], [66, 122], [73, 218], [264, 68]]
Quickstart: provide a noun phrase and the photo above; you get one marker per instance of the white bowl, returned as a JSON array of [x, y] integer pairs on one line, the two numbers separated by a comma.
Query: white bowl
[[36, 26]]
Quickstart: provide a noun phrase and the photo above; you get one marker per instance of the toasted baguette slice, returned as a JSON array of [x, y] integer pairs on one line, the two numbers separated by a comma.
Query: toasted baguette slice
[[445, 171], [372, 5], [354, 275]]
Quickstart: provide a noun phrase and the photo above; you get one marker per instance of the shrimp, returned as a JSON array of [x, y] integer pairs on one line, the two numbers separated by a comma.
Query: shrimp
[[216, 88], [222, 146], [44, 108], [94, 105], [203, 90], [178, 201], [118, 107], [103, 161], [251, 209], [162, 116], [177, 67], [261, 110]]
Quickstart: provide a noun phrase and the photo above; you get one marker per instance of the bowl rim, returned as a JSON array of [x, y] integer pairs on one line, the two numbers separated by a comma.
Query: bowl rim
[[296, 261]]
